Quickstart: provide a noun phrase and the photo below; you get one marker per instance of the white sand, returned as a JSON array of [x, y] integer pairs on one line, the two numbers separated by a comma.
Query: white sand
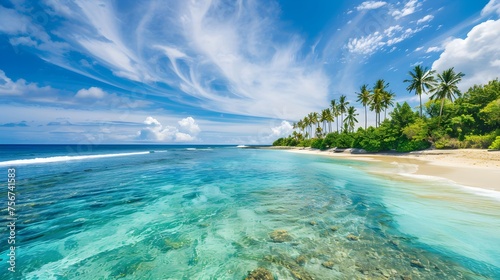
[[469, 167]]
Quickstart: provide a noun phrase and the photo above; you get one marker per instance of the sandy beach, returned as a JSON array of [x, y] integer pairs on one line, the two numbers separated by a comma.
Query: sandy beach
[[468, 167]]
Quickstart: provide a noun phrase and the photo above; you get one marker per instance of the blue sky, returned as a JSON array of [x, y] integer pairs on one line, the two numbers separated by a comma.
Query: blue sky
[[235, 72]]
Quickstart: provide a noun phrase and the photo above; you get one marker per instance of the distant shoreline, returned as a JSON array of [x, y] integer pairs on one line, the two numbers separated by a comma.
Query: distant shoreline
[[469, 167]]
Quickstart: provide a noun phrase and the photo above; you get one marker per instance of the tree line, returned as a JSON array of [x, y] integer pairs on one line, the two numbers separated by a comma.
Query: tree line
[[449, 119]]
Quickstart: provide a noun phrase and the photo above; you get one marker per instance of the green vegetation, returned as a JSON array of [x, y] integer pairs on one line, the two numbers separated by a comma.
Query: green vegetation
[[449, 120]]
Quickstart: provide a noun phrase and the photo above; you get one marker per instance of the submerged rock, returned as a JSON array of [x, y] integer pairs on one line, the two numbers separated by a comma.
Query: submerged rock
[[352, 237], [260, 274], [328, 264], [301, 260], [334, 228], [416, 263], [313, 223], [280, 235]]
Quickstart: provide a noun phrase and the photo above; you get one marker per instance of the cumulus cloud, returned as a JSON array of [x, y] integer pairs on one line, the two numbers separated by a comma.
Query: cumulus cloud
[[189, 125], [474, 55], [409, 8], [92, 92], [154, 131], [283, 130], [491, 8], [19, 87], [370, 5]]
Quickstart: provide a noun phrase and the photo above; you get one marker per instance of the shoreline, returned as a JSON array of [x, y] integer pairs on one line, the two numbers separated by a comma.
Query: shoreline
[[468, 167]]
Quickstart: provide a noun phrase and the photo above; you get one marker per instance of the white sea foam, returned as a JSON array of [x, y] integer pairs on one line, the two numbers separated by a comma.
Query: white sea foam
[[64, 158], [191, 149], [241, 146]]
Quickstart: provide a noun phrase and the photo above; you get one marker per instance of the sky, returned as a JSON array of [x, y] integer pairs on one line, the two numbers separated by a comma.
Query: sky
[[220, 72]]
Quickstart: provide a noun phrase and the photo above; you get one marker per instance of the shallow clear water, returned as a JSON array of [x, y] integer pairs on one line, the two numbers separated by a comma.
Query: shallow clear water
[[208, 213]]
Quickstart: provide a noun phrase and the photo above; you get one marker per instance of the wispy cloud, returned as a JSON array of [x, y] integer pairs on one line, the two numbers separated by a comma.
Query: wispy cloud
[[425, 19], [223, 56], [408, 9]]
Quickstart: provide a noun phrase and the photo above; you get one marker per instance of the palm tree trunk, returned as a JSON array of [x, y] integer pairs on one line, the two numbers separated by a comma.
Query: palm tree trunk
[[420, 104], [441, 112], [337, 123], [365, 117]]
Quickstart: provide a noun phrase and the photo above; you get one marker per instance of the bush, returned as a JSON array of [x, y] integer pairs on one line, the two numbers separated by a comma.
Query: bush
[[478, 141], [496, 144], [278, 142], [317, 143], [447, 143], [305, 143], [413, 145]]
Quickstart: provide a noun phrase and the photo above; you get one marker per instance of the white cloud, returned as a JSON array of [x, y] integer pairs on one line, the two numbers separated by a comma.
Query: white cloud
[[189, 125], [419, 49], [370, 5], [434, 49], [492, 7], [155, 131], [92, 92], [375, 41], [224, 56], [425, 19], [366, 45], [473, 55], [283, 130], [392, 30], [408, 9], [19, 87]]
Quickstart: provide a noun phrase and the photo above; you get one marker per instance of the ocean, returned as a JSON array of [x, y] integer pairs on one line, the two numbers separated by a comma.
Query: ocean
[[219, 212]]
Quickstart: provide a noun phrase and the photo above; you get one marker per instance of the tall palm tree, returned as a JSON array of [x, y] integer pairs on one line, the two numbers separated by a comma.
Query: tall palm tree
[[307, 123], [421, 79], [446, 88], [324, 117], [335, 112], [329, 119], [343, 106], [387, 101], [364, 97], [377, 99], [300, 125], [351, 118], [315, 116]]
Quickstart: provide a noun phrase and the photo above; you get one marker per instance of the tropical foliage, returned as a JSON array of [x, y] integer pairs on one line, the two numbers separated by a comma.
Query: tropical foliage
[[449, 119]]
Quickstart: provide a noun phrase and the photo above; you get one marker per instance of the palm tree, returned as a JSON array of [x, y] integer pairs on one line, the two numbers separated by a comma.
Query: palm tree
[[387, 101], [324, 117], [377, 99], [335, 111], [307, 123], [421, 79], [329, 119], [319, 132], [342, 107], [315, 116], [364, 97], [446, 88], [351, 118]]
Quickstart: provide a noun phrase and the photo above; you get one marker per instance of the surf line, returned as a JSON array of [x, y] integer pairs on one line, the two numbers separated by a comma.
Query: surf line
[[64, 158]]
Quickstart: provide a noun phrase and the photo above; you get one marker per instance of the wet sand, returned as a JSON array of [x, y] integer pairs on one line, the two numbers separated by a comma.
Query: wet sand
[[468, 167]]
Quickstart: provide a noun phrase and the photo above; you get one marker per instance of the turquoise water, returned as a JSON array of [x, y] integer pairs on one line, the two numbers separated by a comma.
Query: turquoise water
[[121, 212]]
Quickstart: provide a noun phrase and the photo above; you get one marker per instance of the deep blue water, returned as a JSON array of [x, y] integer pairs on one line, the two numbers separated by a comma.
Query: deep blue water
[[208, 212]]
